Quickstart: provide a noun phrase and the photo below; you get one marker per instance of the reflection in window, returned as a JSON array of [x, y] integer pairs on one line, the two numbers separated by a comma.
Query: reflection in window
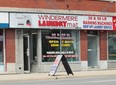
[[1, 46], [55, 42], [112, 45]]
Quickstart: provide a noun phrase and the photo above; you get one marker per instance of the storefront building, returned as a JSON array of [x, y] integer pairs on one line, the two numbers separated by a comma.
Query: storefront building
[[31, 40]]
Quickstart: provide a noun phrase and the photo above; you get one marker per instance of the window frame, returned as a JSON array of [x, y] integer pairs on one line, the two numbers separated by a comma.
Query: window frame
[[77, 43]]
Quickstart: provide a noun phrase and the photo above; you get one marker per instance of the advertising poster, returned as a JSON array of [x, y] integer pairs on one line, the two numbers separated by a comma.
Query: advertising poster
[[23, 20], [56, 42], [55, 65], [96, 22]]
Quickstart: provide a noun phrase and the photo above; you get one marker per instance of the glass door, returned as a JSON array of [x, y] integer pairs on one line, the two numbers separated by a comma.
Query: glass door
[[1, 51], [92, 51], [26, 53]]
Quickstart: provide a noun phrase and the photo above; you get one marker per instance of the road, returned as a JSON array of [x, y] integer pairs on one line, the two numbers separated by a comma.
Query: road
[[105, 80]]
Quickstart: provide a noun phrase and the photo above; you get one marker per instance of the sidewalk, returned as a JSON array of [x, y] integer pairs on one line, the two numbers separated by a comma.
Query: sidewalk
[[58, 75]]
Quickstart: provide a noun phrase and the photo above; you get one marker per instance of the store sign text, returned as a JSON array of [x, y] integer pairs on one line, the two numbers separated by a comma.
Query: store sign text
[[57, 20], [97, 22]]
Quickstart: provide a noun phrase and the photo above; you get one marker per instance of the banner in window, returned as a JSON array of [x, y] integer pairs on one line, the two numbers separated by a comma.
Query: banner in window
[[55, 42]]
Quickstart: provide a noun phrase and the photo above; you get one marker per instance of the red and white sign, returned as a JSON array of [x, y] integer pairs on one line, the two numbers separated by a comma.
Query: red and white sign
[[96, 22], [57, 21], [56, 64], [48, 21], [114, 23]]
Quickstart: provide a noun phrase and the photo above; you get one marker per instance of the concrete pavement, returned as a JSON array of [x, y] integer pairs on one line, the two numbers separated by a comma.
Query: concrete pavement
[[58, 75]]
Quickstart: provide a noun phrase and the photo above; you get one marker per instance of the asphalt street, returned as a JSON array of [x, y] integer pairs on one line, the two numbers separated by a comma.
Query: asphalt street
[[105, 80]]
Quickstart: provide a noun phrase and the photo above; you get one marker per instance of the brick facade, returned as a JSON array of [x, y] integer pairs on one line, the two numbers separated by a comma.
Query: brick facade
[[83, 45], [79, 5], [103, 45], [10, 45], [90, 5]]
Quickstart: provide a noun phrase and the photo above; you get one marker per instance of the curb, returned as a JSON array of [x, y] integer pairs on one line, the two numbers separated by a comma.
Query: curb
[[60, 75]]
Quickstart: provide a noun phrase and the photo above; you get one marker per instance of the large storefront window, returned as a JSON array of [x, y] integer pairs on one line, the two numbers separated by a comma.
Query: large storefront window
[[55, 42], [1, 47], [112, 45]]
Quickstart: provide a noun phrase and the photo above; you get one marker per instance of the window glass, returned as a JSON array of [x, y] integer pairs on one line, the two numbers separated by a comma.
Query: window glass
[[69, 44], [34, 36], [1, 46], [55, 42], [112, 45]]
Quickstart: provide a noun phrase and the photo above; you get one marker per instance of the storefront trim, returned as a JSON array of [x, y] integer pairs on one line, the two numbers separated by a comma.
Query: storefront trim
[[29, 10], [103, 64], [4, 50]]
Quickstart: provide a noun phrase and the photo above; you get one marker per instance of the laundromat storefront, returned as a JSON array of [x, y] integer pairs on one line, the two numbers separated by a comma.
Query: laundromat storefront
[[54, 34]]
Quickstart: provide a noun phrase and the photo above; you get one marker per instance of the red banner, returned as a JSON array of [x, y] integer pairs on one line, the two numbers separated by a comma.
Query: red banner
[[114, 23]]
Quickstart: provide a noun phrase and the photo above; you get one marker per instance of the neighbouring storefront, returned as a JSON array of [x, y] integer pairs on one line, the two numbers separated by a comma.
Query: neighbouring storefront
[[112, 49], [3, 25]]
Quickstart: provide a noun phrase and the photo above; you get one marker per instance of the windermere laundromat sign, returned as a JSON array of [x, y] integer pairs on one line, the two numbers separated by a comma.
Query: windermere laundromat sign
[[57, 21], [50, 21], [61, 21]]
